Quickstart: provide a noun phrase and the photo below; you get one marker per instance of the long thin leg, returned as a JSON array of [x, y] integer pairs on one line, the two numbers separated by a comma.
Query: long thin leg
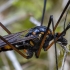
[[66, 17], [42, 43], [13, 47], [9, 43], [68, 26], [62, 14], [44, 8], [58, 22], [5, 28], [55, 44]]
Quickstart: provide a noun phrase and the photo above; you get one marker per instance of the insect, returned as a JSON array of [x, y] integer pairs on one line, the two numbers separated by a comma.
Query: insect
[[37, 38]]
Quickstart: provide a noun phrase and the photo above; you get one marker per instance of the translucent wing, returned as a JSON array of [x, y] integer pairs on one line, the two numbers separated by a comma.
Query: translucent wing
[[15, 38]]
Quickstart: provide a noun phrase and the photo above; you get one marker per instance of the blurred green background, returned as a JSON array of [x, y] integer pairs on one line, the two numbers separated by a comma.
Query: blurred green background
[[15, 15]]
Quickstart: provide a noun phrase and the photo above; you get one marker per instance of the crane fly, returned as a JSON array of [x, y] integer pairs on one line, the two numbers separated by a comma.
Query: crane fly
[[37, 38]]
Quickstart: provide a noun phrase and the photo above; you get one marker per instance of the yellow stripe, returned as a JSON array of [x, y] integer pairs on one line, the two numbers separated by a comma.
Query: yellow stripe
[[7, 47], [33, 33], [42, 32], [31, 43], [24, 50]]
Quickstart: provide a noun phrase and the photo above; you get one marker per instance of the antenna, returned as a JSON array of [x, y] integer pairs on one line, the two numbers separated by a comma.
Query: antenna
[[44, 8]]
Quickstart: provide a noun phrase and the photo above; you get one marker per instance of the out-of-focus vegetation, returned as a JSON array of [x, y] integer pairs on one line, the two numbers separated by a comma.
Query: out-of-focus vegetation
[[22, 10]]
